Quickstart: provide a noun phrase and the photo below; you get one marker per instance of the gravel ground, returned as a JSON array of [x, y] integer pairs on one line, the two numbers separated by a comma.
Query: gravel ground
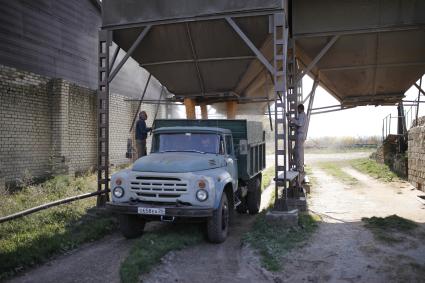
[[342, 250]]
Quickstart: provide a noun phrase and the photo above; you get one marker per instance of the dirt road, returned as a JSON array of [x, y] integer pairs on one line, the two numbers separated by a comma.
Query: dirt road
[[342, 250]]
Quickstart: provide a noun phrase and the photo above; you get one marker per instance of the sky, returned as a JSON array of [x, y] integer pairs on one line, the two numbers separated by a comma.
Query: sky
[[356, 122], [362, 121]]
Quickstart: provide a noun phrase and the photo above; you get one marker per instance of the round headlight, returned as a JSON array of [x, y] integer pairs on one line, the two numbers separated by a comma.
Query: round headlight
[[118, 192], [202, 195]]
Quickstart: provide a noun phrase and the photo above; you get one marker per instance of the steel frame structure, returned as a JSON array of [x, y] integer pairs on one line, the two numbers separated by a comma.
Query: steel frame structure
[[285, 71]]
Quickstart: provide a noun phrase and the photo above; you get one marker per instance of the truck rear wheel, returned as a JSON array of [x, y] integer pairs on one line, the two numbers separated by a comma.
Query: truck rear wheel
[[254, 195], [131, 226], [218, 224]]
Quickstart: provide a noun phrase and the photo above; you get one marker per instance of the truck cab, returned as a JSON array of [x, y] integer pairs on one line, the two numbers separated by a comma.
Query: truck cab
[[191, 172]]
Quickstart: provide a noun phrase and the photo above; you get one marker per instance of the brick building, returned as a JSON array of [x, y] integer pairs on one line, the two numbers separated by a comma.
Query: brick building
[[48, 81]]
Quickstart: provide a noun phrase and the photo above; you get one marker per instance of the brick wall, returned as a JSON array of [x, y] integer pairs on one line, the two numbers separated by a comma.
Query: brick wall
[[49, 126], [82, 125], [25, 125], [416, 156]]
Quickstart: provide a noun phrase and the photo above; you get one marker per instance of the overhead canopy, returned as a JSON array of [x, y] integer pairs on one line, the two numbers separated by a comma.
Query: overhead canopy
[[195, 52], [380, 51], [191, 48]]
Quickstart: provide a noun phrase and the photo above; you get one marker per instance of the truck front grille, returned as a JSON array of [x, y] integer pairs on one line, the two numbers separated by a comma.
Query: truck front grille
[[158, 188]]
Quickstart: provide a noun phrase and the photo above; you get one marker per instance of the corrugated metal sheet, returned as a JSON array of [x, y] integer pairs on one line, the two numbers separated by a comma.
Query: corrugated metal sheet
[[127, 12], [58, 39], [379, 54]]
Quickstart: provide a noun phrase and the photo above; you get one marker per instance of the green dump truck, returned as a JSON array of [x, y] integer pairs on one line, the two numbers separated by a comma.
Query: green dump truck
[[200, 169]]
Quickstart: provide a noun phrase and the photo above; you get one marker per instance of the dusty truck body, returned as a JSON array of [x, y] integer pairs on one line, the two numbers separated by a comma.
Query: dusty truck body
[[199, 169]]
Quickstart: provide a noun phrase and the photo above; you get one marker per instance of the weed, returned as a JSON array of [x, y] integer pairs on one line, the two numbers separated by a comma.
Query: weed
[[152, 246], [274, 241], [374, 169], [35, 238]]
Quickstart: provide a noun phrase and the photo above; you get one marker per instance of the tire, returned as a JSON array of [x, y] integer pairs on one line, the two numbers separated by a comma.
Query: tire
[[254, 195], [218, 224], [131, 226]]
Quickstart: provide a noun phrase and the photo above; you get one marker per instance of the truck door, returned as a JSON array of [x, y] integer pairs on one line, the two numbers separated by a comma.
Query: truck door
[[232, 165]]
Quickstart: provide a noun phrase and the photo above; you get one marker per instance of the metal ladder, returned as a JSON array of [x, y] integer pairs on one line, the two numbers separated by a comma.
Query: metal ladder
[[280, 47], [294, 97], [103, 118]]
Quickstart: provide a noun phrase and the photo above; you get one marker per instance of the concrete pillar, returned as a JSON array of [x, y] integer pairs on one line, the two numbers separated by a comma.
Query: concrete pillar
[[59, 93], [204, 111], [190, 108], [232, 106]]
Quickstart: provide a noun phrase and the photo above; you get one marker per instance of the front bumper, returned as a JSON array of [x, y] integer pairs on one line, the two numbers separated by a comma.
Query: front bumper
[[170, 210]]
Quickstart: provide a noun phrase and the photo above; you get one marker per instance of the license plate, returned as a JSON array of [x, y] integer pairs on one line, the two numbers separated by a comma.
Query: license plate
[[151, 211]]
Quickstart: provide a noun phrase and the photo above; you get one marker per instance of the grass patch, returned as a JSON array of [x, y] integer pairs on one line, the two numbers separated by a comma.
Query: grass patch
[[268, 176], [338, 150], [274, 241], [386, 228], [309, 173], [152, 246], [335, 169], [35, 238], [374, 169]]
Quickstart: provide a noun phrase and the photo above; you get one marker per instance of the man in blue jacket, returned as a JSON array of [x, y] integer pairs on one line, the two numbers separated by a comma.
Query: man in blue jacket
[[141, 134]]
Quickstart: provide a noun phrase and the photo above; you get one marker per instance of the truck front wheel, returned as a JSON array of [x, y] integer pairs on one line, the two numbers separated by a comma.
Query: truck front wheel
[[254, 195], [131, 226], [218, 224]]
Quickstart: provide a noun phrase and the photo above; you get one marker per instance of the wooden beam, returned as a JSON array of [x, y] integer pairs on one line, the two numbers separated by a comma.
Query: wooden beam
[[204, 111], [231, 109], [190, 108]]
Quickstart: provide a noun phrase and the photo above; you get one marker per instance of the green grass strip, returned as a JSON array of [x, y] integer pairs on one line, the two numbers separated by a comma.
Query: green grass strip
[[274, 241], [374, 169], [152, 246], [335, 169]]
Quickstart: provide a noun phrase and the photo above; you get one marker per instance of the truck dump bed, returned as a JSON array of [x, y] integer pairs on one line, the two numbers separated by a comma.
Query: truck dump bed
[[251, 154]]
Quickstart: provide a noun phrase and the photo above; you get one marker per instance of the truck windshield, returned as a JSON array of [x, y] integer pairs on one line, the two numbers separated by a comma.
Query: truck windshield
[[189, 142]]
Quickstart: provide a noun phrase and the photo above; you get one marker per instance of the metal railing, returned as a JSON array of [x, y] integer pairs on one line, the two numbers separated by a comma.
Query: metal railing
[[412, 114], [49, 205], [410, 117]]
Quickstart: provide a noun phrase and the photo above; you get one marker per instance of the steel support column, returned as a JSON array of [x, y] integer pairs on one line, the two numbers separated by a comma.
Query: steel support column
[[105, 39], [310, 104], [419, 100], [280, 50]]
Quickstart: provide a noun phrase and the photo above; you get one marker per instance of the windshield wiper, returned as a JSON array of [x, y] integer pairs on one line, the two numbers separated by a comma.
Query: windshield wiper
[[187, 150]]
